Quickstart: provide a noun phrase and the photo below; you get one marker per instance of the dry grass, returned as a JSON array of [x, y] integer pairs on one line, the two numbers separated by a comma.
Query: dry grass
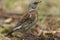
[[47, 7]]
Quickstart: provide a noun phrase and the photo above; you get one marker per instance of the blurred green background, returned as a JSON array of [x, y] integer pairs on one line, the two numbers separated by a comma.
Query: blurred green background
[[46, 7]]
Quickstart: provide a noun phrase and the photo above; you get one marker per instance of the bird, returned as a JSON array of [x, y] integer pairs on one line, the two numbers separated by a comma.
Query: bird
[[27, 20]]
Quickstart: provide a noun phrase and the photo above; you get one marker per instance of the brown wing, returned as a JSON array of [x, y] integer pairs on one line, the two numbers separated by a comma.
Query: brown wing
[[27, 22]]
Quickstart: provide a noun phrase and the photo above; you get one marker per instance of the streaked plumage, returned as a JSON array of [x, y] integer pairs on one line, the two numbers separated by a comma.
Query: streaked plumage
[[27, 20], [25, 23]]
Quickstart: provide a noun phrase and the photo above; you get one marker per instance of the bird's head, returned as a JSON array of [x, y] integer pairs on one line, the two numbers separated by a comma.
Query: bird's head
[[33, 4]]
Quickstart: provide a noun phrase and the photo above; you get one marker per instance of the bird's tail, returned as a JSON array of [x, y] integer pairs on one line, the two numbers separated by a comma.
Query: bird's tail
[[13, 30]]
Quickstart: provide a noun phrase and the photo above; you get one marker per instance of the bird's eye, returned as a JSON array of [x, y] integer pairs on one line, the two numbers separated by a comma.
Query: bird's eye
[[35, 2]]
